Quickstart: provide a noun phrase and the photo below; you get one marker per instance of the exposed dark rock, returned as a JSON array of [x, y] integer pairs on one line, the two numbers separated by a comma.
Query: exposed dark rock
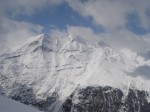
[[90, 99], [106, 99], [26, 95]]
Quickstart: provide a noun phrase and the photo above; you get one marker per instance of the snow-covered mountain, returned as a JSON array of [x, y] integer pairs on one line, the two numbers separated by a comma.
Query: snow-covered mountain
[[69, 74]]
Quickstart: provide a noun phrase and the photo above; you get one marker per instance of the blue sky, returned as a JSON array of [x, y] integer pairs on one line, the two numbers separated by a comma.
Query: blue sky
[[133, 24], [122, 23], [58, 17], [63, 15]]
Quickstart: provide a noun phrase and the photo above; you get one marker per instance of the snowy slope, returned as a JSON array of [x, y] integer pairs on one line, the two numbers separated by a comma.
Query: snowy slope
[[62, 64], [8, 105]]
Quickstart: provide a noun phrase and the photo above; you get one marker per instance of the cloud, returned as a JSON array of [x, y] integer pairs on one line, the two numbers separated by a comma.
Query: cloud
[[118, 39], [84, 32], [26, 6], [57, 33], [142, 71], [123, 38], [112, 13], [146, 37], [14, 32], [76, 31], [113, 16]]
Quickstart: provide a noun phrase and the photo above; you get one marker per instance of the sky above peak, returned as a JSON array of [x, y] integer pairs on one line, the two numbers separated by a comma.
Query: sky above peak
[[121, 23]]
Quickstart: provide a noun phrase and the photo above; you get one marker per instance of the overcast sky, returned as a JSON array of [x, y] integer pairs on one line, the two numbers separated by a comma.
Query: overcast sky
[[121, 23]]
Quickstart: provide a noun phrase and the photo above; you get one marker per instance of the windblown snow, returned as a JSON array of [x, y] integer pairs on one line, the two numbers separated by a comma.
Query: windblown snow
[[61, 64]]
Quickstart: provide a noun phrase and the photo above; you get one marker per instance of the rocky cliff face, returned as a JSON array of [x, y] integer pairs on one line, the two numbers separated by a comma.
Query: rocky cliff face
[[89, 99], [72, 74], [106, 99]]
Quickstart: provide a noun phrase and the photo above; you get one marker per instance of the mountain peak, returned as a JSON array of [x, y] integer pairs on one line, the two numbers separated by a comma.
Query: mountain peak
[[70, 36], [55, 67], [39, 37], [102, 44]]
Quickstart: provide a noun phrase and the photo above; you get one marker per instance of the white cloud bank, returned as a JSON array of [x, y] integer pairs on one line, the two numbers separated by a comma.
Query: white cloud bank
[[26, 6], [14, 32], [117, 39], [112, 13]]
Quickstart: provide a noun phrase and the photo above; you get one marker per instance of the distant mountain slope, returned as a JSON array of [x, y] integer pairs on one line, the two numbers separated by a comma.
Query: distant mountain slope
[[45, 71]]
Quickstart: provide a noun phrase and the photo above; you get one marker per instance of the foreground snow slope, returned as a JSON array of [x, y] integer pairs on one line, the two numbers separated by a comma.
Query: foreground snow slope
[[8, 105], [62, 64]]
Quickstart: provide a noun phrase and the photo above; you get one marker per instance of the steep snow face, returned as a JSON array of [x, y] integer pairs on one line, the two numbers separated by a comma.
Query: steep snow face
[[62, 64]]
